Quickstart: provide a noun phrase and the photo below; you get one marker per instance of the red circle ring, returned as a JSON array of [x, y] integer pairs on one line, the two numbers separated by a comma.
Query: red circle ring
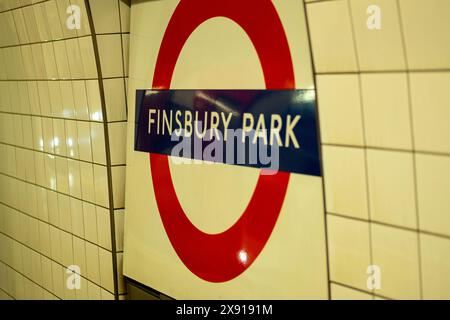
[[224, 256]]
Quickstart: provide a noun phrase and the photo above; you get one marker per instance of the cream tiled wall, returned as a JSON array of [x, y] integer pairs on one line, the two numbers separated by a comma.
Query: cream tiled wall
[[383, 103], [384, 107], [62, 133]]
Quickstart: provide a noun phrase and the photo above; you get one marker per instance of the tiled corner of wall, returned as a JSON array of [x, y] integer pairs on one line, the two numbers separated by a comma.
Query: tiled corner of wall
[[62, 114], [384, 106]]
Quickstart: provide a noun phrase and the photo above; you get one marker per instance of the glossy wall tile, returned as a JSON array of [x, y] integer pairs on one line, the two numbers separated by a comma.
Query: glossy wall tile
[[56, 183]]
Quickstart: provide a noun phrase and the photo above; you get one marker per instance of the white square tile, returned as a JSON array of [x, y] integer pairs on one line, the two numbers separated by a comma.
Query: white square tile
[[433, 184], [345, 181], [396, 253], [387, 119], [431, 111], [339, 103], [331, 32], [117, 142], [349, 251], [435, 255], [391, 187], [426, 26]]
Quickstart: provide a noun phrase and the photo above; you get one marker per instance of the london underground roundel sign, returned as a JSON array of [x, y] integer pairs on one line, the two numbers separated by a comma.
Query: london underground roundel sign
[[222, 257], [245, 227]]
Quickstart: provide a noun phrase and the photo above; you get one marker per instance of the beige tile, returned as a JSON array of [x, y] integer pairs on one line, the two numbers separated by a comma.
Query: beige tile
[[47, 273], [44, 98], [80, 100], [59, 137], [74, 59], [55, 241], [331, 32], [58, 280], [67, 96], [67, 249], [82, 293], [105, 14], [18, 132], [44, 238], [52, 17], [84, 20], [55, 98], [126, 54], [40, 168], [76, 213], [119, 216], [435, 255], [378, 49], [433, 184], [106, 295], [30, 172], [117, 142], [79, 255], [50, 171], [426, 26], [42, 205], [101, 186], [391, 187], [110, 51], [431, 111], [387, 119], [106, 269], [115, 99], [345, 181], [339, 292], [339, 105], [27, 132], [349, 251], [41, 22], [62, 175], [92, 262], [94, 101], [104, 228], [74, 178], [88, 58], [23, 98], [53, 211], [118, 185], [98, 143], [31, 24], [87, 182], [125, 15], [94, 291], [33, 95], [21, 29], [396, 253], [28, 62], [61, 58], [65, 219], [84, 140], [90, 222], [43, 63], [62, 6], [72, 138], [120, 281]]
